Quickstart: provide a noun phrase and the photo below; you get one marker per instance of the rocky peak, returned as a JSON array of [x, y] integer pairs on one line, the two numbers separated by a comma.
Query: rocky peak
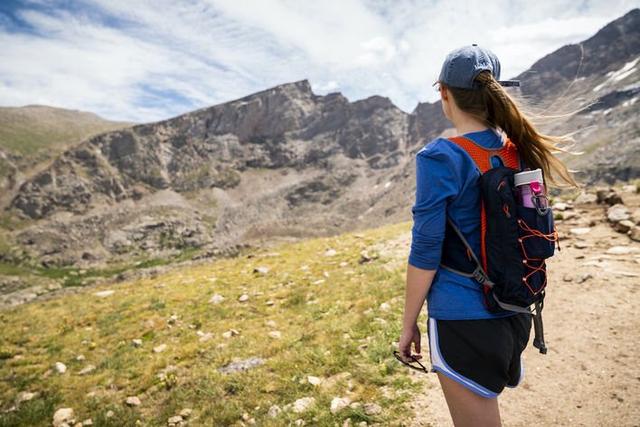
[[300, 90], [426, 122], [608, 49], [266, 114], [373, 103]]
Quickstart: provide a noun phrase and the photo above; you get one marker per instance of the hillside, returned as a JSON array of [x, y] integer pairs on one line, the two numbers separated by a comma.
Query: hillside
[[276, 336], [305, 315], [34, 134], [29, 129]]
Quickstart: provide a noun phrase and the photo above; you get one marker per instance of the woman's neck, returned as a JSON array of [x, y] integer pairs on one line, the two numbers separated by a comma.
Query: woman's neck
[[470, 127], [466, 124]]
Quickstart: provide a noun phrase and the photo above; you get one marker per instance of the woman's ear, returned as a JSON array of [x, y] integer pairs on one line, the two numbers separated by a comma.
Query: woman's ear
[[444, 93], [445, 102]]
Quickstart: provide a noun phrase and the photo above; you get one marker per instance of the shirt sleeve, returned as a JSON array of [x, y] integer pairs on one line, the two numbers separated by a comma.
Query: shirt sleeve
[[436, 182]]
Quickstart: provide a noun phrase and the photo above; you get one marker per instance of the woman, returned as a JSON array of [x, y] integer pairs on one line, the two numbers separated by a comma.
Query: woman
[[475, 353]]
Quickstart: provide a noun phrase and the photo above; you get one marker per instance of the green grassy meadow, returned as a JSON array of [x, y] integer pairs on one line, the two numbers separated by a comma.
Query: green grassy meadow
[[326, 307]]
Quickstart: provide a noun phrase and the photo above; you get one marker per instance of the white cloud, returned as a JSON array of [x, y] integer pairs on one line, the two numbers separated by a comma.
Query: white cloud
[[161, 57], [330, 86]]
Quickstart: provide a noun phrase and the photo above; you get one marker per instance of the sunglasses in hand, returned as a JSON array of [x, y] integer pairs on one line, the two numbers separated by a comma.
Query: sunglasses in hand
[[421, 367]]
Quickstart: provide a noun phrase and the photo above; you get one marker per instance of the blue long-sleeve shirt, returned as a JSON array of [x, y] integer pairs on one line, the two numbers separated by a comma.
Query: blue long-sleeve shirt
[[447, 180]]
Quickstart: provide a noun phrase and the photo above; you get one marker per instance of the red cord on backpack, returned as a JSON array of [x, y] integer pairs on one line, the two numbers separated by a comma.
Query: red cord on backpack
[[530, 262]]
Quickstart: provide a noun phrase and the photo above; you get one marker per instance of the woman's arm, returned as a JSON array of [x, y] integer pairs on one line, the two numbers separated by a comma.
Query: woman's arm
[[436, 181], [418, 284]]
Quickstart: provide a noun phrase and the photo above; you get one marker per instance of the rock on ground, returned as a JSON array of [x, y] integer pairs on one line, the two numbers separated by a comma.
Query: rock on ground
[[133, 401], [339, 403], [242, 365], [303, 404], [63, 417]]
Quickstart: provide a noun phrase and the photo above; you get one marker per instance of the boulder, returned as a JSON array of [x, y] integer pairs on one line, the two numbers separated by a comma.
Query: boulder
[[579, 231], [624, 226], [585, 198], [560, 206], [175, 421], [617, 213], [608, 197], [160, 348], [87, 370], [274, 411], [216, 299], [372, 408], [25, 396]]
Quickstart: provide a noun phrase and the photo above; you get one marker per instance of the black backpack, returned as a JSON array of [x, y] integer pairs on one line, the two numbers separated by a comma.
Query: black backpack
[[515, 240]]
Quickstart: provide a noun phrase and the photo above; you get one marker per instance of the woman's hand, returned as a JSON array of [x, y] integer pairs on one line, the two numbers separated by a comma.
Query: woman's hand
[[409, 336]]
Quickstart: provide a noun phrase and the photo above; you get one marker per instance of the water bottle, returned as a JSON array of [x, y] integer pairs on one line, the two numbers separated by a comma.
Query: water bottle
[[531, 191]]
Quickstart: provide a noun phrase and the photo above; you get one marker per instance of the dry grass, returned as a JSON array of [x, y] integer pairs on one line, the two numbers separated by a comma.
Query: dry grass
[[322, 327]]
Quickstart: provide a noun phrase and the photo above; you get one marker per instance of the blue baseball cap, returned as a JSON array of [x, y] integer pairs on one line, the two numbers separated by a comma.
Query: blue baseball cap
[[462, 65]]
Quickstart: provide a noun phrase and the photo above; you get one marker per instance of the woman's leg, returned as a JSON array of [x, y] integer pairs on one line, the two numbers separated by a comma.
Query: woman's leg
[[467, 408]]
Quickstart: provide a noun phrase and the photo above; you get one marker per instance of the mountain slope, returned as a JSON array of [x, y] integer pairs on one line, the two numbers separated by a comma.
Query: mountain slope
[[25, 130], [32, 135], [608, 50], [604, 72]]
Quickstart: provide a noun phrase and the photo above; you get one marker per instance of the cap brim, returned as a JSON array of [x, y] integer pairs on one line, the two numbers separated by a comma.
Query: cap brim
[[509, 83]]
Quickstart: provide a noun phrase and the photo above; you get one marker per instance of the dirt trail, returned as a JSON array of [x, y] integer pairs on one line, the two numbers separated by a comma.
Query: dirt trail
[[590, 375]]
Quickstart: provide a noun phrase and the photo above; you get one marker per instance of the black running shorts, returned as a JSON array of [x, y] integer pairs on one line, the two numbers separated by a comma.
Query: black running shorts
[[483, 355]]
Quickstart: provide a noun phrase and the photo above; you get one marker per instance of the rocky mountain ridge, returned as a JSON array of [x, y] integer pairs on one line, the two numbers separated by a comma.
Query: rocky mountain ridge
[[287, 126]]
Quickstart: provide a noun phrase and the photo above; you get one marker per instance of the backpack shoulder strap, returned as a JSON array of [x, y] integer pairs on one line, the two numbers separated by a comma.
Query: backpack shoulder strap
[[477, 152], [481, 156]]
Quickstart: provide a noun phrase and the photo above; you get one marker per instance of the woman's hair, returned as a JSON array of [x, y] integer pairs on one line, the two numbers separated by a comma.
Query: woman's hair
[[496, 108]]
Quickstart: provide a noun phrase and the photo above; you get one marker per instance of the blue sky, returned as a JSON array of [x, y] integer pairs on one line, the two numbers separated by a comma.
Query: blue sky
[[147, 60]]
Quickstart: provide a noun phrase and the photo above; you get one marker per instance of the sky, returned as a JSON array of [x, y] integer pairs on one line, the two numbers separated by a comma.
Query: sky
[[148, 60]]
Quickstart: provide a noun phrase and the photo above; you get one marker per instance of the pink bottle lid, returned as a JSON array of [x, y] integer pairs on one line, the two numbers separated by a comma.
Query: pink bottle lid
[[535, 187]]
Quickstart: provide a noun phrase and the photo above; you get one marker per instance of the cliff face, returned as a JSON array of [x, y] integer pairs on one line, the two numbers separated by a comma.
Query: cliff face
[[287, 162], [607, 51]]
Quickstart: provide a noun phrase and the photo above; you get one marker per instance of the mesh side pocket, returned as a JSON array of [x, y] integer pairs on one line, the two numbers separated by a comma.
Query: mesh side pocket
[[537, 235]]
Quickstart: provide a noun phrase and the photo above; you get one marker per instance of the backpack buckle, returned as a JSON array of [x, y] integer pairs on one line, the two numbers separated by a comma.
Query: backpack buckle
[[482, 277]]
